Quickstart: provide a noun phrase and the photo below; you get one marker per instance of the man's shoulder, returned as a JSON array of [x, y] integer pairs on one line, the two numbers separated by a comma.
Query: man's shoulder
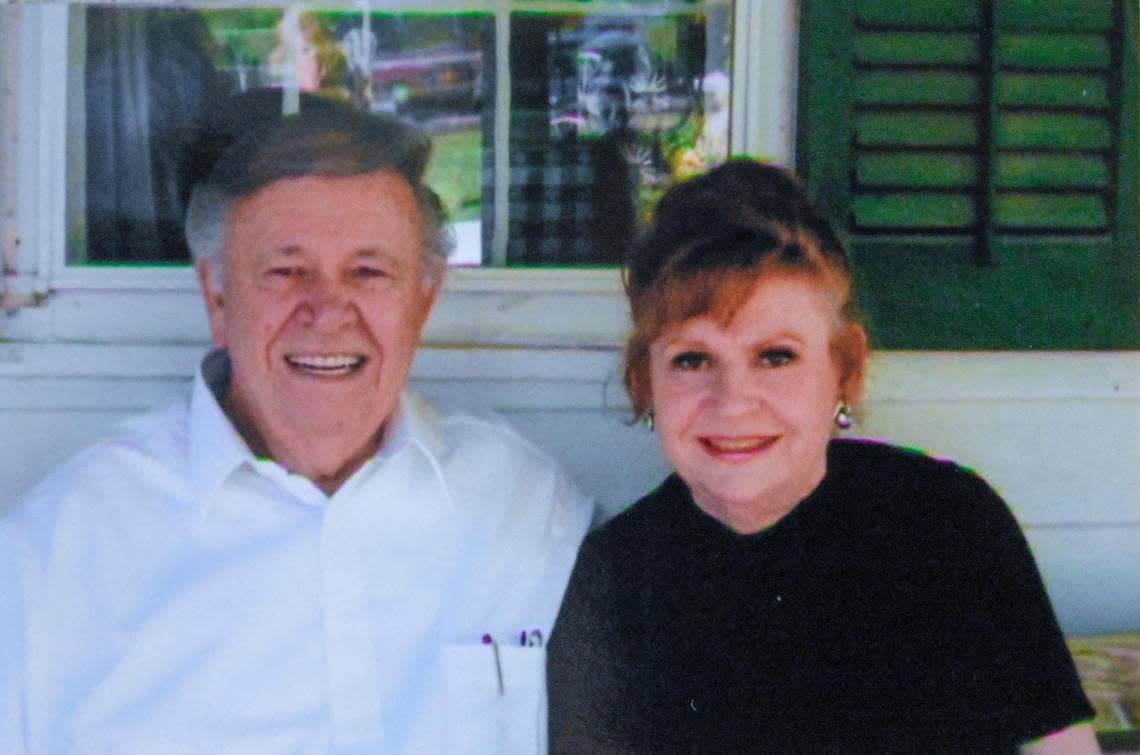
[[461, 433], [487, 462], [145, 455]]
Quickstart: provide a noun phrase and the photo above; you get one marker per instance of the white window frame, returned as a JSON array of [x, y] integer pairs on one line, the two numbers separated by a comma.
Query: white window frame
[[480, 306]]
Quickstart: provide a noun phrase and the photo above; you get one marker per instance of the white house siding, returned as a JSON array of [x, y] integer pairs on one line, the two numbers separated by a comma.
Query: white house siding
[[1057, 434]]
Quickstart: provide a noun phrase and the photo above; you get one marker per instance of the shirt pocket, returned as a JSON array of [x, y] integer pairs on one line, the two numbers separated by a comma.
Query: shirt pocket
[[496, 704]]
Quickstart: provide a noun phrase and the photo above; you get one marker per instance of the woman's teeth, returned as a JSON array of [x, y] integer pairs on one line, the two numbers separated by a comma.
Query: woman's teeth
[[738, 445]]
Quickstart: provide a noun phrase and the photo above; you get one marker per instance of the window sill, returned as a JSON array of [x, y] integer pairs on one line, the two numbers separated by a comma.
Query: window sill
[[526, 307], [595, 280]]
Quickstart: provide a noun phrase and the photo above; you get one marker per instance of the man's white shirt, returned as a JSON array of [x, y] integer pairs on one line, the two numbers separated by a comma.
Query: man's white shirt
[[168, 592]]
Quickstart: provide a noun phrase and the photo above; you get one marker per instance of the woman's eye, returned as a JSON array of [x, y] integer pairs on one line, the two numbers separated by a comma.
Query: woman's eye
[[777, 357], [285, 272], [689, 360]]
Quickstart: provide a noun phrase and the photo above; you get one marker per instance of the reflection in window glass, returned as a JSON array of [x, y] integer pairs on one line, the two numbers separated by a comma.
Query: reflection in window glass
[[164, 88], [609, 104], [606, 111]]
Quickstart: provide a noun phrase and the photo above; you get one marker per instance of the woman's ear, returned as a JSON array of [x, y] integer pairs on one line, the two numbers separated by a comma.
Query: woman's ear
[[853, 352], [636, 378]]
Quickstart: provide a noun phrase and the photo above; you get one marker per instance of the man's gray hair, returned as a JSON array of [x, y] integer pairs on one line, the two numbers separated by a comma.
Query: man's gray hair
[[330, 141]]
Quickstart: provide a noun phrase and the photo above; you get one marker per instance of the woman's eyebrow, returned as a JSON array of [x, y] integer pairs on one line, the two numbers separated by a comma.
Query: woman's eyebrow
[[782, 335]]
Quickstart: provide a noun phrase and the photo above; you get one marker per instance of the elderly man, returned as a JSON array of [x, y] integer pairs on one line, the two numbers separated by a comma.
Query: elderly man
[[304, 558]]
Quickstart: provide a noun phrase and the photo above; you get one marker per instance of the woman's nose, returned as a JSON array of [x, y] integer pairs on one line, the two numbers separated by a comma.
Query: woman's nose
[[734, 389]]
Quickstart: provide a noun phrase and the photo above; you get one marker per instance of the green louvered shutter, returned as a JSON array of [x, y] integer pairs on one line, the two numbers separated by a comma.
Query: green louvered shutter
[[1055, 120], [981, 158], [917, 99]]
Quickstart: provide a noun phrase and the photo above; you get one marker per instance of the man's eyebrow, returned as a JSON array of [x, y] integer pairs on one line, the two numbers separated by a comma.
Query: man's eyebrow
[[376, 253]]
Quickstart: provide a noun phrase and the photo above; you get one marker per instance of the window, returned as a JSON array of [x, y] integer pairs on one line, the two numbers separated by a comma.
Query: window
[[605, 108], [63, 285], [983, 164], [165, 89]]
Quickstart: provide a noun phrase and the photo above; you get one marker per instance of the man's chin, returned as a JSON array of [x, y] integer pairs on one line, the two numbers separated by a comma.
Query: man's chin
[[329, 445]]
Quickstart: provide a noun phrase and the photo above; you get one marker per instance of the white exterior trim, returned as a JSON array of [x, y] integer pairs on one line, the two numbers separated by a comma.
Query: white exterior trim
[[549, 307]]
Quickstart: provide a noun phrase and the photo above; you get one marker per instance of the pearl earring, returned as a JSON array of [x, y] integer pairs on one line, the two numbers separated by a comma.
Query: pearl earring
[[843, 416]]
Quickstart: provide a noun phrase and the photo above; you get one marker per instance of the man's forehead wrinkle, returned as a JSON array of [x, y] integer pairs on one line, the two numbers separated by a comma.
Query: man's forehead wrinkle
[[295, 249]]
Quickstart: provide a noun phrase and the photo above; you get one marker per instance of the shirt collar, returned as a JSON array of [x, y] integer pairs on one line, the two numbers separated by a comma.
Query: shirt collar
[[415, 427], [216, 447], [423, 428], [418, 424]]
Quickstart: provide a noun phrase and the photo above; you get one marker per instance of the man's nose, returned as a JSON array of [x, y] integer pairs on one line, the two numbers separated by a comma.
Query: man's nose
[[327, 305]]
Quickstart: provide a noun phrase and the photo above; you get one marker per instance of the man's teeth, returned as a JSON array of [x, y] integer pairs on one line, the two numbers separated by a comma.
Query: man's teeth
[[327, 364]]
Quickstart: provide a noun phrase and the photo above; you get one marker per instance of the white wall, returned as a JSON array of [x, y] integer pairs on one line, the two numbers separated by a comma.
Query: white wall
[[1057, 434]]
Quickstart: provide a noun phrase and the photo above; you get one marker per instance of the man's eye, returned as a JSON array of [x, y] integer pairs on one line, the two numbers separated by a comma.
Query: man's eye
[[689, 360], [777, 357], [369, 272], [285, 272]]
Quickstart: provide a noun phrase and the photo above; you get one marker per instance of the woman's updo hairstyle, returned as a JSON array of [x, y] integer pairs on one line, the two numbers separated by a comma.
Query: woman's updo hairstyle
[[710, 240]]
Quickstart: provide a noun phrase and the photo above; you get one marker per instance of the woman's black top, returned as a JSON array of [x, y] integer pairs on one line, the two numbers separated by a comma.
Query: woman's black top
[[896, 609]]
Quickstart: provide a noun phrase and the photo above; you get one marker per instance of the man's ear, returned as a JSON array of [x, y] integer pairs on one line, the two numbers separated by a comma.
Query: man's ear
[[214, 298], [433, 282]]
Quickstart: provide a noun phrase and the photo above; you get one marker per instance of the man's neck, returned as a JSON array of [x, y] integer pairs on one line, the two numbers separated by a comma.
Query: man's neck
[[328, 462]]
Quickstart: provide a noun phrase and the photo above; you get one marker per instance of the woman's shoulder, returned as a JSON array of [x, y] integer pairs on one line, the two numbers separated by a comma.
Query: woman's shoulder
[[886, 464], [644, 522], [911, 484]]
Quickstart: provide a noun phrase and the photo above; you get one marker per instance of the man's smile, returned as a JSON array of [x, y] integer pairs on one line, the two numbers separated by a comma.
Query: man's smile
[[325, 365]]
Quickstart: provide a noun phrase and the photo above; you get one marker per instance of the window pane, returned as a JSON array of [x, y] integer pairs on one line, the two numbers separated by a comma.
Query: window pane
[[154, 79], [607, 110], [609, 105]]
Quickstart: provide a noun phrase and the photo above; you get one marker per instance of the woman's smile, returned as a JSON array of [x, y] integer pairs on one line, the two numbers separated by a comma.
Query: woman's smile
[[739, 448], [744, 410]]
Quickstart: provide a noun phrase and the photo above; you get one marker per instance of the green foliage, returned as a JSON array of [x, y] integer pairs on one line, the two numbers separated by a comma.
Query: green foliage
[[455, 172]]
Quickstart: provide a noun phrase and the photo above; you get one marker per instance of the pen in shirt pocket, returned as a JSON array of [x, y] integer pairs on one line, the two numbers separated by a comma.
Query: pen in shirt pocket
[[489, 640], [527, 639]]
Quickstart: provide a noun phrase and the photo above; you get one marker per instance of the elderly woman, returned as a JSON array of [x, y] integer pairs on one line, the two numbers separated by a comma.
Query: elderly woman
[[784, 591]]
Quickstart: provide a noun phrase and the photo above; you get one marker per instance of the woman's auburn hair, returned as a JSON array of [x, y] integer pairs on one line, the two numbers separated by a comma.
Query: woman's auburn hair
[[711, 240]]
